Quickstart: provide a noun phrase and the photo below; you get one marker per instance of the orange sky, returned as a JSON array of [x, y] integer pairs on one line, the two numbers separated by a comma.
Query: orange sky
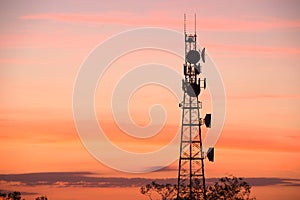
[[255, 46]]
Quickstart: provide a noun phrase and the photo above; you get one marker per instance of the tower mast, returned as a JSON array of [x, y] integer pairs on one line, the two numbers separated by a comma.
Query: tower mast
[[191, 179]]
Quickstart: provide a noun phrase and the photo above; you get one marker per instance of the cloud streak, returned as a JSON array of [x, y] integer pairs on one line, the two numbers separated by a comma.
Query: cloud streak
[[160, 19], [91, 180], [251, 49]]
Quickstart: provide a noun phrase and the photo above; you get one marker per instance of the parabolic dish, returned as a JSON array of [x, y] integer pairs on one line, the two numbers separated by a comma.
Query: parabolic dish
[[193, 56]]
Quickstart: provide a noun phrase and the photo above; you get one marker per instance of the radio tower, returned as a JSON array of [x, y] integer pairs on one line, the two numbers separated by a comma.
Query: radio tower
[[191, 179]]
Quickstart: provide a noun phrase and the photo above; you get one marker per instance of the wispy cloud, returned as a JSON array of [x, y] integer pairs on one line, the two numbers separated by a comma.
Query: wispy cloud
[[81, 179], [161, 19], [88, 179], [103, 18], [267, 96], [273, 181], [252, 49]]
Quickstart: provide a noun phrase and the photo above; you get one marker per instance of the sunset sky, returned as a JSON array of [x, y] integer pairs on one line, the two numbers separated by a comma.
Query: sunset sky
[[255, 46]]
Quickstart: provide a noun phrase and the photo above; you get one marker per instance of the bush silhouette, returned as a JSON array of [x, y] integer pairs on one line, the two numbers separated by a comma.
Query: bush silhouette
[[226, 188]]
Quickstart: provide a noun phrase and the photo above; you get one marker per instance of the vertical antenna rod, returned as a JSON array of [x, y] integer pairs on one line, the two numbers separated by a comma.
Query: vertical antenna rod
[[184, 23], [195, 25]]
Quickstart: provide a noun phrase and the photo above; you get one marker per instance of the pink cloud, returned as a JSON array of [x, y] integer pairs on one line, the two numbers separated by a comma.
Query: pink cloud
[[161, 19], [268, 96], [249, 24], [253, 49], [47, 40], [106, 18]]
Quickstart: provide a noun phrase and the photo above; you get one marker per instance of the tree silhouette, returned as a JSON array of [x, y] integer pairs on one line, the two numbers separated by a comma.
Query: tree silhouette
[[165, 191], [12, 196], [226, 188], [17, 196], [41, 198], [3, 195], [230, 188]]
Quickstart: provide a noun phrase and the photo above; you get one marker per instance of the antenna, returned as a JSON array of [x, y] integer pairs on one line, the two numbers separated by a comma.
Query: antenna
[[203, 55], [195, 25], [210, 154], [193, 57], [184, 23]]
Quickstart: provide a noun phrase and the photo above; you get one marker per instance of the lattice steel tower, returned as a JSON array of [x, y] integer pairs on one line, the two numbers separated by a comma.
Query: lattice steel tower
[[191, 179]]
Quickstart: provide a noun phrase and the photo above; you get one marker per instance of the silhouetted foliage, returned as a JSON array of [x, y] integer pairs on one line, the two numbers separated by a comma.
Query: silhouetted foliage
[[11, 196], [14, 196], [230, 188], [3, 195], [165, 191], [41, 198], [226, 188], [17, 196]]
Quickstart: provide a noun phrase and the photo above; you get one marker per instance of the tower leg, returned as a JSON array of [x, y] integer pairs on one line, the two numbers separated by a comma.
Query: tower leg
[[191, 179]]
